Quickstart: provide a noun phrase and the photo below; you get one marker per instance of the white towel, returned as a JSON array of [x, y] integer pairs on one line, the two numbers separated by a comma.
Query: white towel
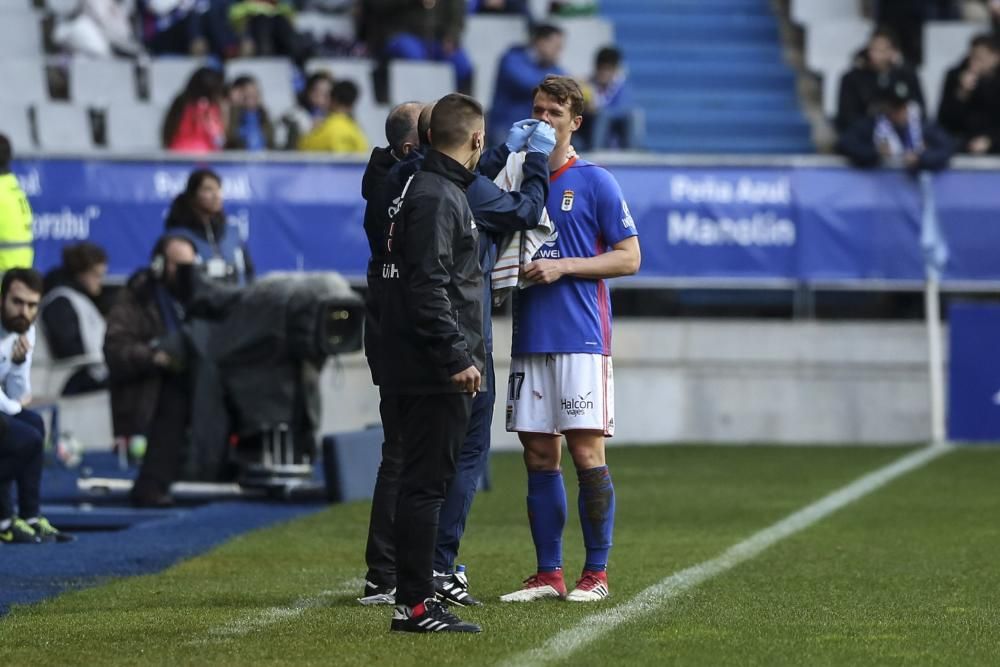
[[520, 247]]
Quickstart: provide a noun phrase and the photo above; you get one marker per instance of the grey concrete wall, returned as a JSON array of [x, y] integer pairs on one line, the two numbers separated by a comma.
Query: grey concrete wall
[[726, 382]]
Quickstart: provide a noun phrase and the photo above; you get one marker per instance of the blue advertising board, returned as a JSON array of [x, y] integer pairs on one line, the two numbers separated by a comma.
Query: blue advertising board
[[974, 373], [792, 224]]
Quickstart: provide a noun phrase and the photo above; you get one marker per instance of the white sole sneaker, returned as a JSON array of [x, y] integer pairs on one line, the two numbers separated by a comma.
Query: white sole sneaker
[[531, 594], [596, 593]]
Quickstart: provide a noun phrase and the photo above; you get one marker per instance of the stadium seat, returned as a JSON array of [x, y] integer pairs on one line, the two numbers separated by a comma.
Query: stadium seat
[[829, 49], [168, 76], [371, 118], [945, 44], [358, 70], [418, 80], [486, 39], [134, 127], [15, 124], [584, 38], [64, 127], [274, 76], [25, 75], [101, 82], [320, 25], [20, 31], [810, 13]]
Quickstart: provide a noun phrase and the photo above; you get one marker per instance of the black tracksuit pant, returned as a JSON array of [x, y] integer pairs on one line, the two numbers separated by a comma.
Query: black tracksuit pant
[[22, 453], [380, 553], [431, 430]]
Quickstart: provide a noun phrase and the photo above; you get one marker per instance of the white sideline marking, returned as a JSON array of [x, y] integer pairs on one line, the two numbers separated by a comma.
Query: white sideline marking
[[593, 627], [264, 618]]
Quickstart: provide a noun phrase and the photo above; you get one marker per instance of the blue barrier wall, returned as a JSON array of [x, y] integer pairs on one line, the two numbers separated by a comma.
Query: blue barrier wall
[[738, 224]]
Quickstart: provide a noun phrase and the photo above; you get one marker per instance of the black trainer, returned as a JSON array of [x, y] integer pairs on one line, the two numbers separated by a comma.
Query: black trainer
[[377, 594], [19, 532], [454, 589], [431, 616]]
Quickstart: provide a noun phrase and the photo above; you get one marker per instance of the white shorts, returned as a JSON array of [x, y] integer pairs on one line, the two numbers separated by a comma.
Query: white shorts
[[553, 393]]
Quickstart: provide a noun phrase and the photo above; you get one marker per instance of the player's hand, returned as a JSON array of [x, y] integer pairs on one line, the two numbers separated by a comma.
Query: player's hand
[[162, 360], [911, 160], [517, 137], [543, 139], [25, 400], [468, 380], [20, 350], [544, 271]]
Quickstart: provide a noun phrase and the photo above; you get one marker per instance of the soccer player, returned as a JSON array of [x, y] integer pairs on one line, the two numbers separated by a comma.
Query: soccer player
[[561, 380]]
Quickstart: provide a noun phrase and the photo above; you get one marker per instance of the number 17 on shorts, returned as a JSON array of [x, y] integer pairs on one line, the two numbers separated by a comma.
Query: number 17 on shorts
[[552, 393]]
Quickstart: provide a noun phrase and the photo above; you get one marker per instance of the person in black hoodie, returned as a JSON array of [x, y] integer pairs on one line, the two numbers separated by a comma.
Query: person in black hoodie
[[432, 348], [970, 99], [877, 68]]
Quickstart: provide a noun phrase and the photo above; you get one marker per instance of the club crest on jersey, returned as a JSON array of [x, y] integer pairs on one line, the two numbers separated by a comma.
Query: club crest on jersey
[[567, 200]]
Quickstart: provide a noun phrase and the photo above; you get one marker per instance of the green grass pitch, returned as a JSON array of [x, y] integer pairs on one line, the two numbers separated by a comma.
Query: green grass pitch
[[907, 575]]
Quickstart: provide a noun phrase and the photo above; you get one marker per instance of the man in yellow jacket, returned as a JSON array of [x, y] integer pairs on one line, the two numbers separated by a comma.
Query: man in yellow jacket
[[339, 133], [15, 216]]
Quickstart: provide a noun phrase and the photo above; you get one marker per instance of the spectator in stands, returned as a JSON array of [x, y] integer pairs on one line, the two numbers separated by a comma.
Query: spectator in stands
[[339, 133], [970, 100], [615, 122], [265, 28], [877, 69], [187, 27], [16, 234], [249, 126], [309, 113], [71, 318], [197, 215], [498, 7], [418, 30], [22, 431], [897, 136], [150, 387], [194, 123], [98, 28], [518, 73]]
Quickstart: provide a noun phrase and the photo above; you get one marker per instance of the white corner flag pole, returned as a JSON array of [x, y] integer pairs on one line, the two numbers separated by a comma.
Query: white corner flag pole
[[935, 257]]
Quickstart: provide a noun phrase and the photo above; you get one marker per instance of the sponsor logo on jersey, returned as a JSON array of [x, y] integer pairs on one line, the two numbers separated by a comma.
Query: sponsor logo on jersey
[[548, 249], [627, 220], [577, 406], [567, 200]]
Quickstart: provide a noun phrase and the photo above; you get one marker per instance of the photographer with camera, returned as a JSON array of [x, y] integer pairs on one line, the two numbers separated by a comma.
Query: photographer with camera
[[144, 349]]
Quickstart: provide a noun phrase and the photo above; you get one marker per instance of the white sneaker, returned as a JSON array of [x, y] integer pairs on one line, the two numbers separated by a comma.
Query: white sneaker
[[537, 587], [591, 587], [374, 594]]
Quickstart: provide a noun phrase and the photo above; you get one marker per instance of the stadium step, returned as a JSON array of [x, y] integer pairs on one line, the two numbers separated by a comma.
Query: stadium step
[[710, 75], [736, 101]]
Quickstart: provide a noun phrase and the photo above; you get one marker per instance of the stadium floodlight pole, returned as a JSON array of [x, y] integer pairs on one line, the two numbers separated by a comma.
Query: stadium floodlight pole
[[935, 251]]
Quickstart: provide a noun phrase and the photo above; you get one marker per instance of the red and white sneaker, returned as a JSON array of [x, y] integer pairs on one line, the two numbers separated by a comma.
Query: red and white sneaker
[[591, 587], [539, 586]]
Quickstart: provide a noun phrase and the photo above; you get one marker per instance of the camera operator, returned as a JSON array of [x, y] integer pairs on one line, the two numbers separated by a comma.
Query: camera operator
[[144, 349]]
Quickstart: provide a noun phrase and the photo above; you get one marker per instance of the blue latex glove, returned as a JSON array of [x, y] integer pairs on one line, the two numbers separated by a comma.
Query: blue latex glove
[[517, 138], [542, 140]]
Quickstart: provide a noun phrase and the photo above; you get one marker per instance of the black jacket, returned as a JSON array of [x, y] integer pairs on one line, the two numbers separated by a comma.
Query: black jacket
[[432, 294], [861, 87], [373, 189]]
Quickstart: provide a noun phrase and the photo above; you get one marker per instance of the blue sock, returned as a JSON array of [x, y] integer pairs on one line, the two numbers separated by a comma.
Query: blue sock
[[547, 516], [597, 515]]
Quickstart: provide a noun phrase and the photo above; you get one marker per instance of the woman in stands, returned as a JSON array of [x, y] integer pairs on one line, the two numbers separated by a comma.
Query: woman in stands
[[194, 122], [309, 113], [74, 325], [197, 215]]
